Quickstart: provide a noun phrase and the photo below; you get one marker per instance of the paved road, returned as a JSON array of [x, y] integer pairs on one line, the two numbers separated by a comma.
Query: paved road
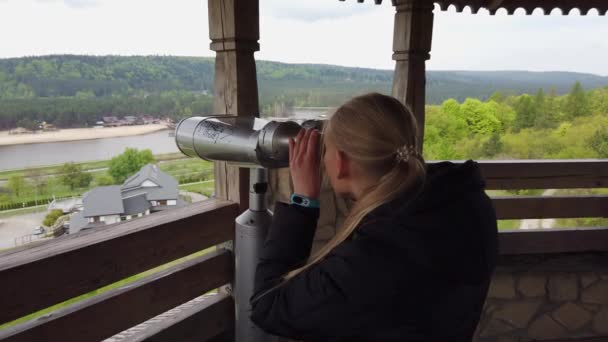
[[539, 223], [19, 225]]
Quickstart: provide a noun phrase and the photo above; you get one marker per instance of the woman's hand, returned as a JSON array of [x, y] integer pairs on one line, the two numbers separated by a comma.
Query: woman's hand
[[304, 163]]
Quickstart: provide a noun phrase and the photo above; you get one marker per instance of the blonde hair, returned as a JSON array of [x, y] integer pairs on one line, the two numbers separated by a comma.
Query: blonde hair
[[371, 129]]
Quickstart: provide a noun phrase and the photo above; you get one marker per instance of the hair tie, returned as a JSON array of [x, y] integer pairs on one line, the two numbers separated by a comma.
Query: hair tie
[[405, 152]]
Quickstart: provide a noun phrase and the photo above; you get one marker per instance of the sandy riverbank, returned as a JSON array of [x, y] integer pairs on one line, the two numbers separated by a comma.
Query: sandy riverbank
[[77, 134]]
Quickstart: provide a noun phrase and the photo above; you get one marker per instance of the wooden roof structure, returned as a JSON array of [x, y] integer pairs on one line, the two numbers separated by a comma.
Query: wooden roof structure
[[547, 6], [80, 263]]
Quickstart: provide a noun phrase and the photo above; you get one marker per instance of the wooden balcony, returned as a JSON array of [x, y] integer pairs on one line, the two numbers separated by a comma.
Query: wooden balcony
[[39, 276]]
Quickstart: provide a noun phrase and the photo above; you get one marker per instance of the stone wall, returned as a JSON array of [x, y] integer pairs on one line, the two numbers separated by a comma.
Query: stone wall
[[547, 297]]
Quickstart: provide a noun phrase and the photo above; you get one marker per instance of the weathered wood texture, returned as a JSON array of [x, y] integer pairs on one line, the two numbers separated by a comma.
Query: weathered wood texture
[[412, 38], [234, 33], [116, 310], [38, 277], [566, 6], [553, 241], [200, 322], [545, 174], [508, 208]]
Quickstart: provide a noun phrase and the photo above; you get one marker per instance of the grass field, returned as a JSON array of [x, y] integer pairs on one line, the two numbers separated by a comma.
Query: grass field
[[206, 187], [43, 184], [55, 169]]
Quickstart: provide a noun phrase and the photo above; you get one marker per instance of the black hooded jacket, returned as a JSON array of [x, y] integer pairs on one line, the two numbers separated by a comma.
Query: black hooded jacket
[[415, 269]]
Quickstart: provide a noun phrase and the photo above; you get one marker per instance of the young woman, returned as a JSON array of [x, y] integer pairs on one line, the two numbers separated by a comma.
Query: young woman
[[413, 259]]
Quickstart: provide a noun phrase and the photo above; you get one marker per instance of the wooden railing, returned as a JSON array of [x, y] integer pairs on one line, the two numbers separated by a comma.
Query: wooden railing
[[37, 277], [41, 276], [549, 174]]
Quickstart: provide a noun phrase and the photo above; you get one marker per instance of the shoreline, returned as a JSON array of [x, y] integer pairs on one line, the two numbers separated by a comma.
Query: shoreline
[[77, 134]]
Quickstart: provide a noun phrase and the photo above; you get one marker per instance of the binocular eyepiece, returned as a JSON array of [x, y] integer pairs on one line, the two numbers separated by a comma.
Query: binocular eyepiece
[[242, 141]]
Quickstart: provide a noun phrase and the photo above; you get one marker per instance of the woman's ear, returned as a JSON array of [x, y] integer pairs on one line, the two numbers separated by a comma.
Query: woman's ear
[[343, 166]]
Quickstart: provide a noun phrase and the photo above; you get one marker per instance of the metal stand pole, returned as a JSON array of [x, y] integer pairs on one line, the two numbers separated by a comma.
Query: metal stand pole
[[251, 229]]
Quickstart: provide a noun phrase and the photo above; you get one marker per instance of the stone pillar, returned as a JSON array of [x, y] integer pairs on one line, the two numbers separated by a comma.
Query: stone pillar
[[234, 33], [412, 38]]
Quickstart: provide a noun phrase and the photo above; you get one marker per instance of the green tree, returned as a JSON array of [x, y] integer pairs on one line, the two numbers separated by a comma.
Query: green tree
[[128, 163], [543, 107], [38, 180], [599, 142], [451, 107], [104, 179], [598, 101], [443, 131], [576, 102], [17, 184], [478, 118], [497, 97], [492, 146], [526, 112], [73, 176], [52, 217], [28, 124]]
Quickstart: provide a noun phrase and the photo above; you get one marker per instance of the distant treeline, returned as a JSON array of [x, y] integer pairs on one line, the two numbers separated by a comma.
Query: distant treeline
[[70, 91], [67, 112]]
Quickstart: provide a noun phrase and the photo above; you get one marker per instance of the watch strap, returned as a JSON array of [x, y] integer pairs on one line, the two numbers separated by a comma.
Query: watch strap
[[304, 201]]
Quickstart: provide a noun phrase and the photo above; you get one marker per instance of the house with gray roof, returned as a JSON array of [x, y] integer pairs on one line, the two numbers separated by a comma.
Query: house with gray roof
[[161, 189], [149, 190]]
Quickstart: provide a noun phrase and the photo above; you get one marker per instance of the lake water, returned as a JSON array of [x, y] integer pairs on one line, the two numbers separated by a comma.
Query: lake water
[[31, 155]]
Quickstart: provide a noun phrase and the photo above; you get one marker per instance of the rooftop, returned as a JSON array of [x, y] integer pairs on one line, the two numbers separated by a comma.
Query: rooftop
[[103, 200]]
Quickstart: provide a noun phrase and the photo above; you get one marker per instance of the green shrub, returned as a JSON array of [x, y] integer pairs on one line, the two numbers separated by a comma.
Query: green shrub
[[52, 217]]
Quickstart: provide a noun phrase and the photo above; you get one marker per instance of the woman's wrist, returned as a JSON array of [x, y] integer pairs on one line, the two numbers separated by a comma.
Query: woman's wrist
[[304, 201], [307, 192]]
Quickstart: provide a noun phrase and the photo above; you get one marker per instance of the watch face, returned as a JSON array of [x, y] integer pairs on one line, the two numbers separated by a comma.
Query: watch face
[[297, 199]]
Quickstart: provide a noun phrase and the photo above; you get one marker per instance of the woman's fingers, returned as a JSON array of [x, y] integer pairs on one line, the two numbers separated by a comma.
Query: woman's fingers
[[291, 150], [313, 146], [304, 148], [304, 145], [304, 163], [297, 144]]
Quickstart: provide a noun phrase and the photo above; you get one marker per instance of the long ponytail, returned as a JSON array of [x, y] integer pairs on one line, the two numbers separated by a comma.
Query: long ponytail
[[371, 129]]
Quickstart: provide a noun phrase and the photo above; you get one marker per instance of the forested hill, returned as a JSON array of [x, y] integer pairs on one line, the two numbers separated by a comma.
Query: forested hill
[[299, 84]]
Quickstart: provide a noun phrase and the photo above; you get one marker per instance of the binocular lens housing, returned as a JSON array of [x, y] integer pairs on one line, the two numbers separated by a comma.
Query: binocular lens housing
[[241, 141]]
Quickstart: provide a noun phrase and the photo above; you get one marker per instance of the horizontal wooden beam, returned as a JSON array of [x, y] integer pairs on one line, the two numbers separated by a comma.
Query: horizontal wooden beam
[[107, 314], [549, 241], [508, 208], [545, 174], [200, 322], [38, 277]]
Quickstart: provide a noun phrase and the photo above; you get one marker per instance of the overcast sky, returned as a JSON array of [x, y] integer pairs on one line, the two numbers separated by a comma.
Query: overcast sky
[[305, 31]]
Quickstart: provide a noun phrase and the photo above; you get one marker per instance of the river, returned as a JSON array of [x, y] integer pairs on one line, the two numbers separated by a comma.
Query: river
[[32, 155]]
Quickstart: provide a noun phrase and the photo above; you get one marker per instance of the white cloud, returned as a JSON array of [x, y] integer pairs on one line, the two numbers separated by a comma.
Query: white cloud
[[362, 39], [537, 42], [75, 3], [312, 10], [304, 31]]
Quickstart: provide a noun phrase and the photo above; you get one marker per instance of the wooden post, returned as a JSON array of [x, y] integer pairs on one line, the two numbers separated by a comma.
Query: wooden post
[[234, 32], [412, 38]]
